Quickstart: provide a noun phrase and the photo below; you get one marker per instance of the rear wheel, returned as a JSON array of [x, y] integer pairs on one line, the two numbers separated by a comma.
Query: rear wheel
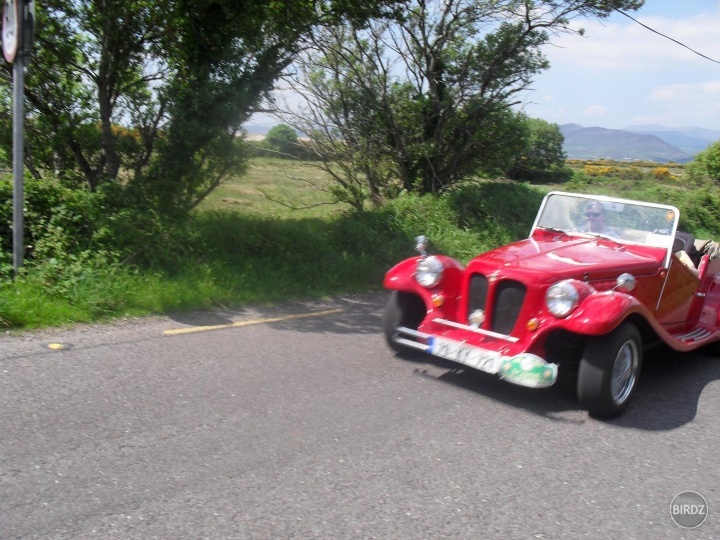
[[609, 371], [402, 309]]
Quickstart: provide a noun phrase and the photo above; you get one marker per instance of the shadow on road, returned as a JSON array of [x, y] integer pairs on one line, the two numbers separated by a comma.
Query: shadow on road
[[670, 388], [356, 314], [667, 396], [202, 318]]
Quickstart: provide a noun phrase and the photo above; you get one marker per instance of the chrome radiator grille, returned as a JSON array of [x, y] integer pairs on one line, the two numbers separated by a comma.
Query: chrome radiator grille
[[508, 297]]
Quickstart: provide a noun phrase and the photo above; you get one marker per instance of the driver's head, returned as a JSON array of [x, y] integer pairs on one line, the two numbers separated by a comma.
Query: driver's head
[[595, 216]]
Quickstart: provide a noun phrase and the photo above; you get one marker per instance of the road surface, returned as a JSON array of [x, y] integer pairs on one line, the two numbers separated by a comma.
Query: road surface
[[297, 421]]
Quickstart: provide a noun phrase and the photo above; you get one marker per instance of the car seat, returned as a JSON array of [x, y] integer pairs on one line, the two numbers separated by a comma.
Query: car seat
[[684, 241]]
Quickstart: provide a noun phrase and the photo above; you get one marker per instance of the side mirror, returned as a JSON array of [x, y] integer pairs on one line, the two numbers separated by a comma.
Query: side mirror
[[625, 282]]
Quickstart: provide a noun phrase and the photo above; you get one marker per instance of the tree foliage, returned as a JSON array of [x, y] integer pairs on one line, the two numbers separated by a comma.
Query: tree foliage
[[705, 165], [147, 95], [282, 139], [418, 103], [542, 158]]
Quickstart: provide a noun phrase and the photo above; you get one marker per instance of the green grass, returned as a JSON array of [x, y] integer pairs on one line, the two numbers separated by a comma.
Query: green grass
[[247, 245], [281, 188]]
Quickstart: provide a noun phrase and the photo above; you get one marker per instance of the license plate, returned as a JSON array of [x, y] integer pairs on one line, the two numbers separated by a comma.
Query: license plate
[[469, 355]]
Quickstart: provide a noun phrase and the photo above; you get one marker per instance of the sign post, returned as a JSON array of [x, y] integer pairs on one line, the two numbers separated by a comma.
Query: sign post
[[17, 35]]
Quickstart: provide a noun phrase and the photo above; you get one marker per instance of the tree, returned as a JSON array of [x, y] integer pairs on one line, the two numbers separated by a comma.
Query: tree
[[419, 103], [283, 139], [92, 71], [705, 165], [147, 95], [543, 157]]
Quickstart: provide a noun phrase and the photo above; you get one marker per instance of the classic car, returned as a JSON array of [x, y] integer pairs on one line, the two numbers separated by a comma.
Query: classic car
[[598, 281]]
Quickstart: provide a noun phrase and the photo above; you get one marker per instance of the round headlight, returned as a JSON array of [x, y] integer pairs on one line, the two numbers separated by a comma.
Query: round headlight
[[429, 271], [561, 299]]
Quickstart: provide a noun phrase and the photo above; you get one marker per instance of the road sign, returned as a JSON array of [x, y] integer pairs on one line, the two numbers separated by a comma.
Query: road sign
[[10, 29]]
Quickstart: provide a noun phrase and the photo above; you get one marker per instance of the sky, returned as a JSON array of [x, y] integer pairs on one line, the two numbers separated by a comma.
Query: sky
[[621, 74]]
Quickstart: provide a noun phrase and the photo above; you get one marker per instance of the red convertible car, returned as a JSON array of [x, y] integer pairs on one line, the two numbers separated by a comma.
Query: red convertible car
[[598, 280]]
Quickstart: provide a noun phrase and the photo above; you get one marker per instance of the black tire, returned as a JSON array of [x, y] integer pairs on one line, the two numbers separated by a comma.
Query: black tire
[[402, 309], [609, 371], [566, 383]]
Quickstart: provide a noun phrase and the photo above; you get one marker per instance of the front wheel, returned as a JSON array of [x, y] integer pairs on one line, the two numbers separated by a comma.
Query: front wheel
[[609, 371], [402, 309]]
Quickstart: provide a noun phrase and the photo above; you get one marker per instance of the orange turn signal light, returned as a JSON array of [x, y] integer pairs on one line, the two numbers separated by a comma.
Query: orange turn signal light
[[533, 324], [438, 300]]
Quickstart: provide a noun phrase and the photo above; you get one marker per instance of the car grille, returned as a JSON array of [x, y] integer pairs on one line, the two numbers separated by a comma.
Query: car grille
[[508, 299], [478, 292]]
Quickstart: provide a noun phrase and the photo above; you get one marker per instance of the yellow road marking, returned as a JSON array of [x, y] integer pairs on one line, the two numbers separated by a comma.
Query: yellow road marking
[[178, 331]]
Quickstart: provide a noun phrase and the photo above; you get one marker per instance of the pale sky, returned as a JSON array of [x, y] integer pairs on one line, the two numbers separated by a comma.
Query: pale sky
[[620, 74]]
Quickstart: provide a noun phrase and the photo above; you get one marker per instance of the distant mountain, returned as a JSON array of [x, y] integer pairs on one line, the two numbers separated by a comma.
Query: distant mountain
[[688, 139], [686, 143], [709, 135], [624, 145]]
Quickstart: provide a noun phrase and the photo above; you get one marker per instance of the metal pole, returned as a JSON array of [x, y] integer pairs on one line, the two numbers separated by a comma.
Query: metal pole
[[18, 186]]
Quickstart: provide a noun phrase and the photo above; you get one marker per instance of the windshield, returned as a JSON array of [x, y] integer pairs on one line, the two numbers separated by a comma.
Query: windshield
[[620, 219]]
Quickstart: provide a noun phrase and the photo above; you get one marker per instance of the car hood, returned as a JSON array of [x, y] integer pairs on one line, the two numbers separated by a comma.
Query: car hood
[[566, 257]]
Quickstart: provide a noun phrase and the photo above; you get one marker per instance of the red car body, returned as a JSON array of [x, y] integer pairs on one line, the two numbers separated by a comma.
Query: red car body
[[629, 289]]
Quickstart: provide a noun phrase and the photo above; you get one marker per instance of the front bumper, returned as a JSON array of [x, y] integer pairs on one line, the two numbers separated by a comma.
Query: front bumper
[[524, 369]]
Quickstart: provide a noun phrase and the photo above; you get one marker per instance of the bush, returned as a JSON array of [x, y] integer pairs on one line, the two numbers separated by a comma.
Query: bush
[[555, 175], [57, 220], [282, 139], [613, 171], [705, 166], [661, 173], [468, 218]]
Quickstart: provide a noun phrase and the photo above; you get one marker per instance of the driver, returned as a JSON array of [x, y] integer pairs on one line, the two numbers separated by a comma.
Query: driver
[[595, 220]]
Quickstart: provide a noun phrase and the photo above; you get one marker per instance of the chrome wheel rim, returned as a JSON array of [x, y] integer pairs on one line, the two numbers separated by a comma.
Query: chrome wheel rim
[[624, 373]]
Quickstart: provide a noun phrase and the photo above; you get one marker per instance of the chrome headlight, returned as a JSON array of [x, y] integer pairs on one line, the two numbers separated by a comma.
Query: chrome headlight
[[562, 298], [429, 271]]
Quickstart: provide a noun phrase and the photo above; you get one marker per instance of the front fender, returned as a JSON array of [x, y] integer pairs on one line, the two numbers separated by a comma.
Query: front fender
[[401, 277], [602, 312]]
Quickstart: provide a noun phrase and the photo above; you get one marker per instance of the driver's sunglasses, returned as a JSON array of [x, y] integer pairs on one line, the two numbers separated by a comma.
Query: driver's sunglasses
[[592, 214]]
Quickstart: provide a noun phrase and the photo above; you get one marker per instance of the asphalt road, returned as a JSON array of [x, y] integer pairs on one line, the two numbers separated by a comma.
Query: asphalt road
[[252, 425]]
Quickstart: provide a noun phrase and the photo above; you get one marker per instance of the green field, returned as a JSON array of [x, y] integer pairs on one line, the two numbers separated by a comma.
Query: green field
[[279, 188]]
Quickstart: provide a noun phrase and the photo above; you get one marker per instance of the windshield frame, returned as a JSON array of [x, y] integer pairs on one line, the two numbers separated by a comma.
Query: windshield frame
[[611, 202]]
